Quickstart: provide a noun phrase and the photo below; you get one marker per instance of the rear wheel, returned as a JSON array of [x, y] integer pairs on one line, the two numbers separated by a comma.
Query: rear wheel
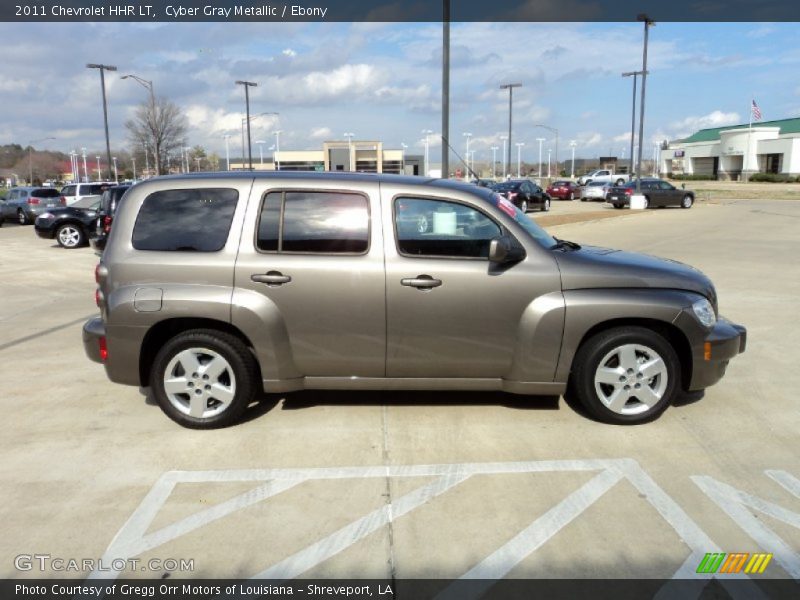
[[204, 379], [687, 201], [22, 218], [70, 236], [626, 375], [572, 195], [524, 206]]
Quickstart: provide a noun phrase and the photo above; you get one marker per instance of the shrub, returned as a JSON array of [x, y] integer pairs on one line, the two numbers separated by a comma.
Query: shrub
[[773, 178], [693, 177]]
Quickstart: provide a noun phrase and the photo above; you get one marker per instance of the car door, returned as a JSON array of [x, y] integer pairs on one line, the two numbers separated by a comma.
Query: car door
[[311, 266], [450, 312], [670, 195]]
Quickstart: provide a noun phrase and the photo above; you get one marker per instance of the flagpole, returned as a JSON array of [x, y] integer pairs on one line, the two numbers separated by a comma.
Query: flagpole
[[746, 160]]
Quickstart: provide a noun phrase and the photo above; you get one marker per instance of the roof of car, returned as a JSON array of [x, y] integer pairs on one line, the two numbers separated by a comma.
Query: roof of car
[[320, 176]]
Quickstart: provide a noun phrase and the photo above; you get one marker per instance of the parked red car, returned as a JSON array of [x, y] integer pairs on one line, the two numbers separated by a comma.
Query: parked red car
[[564, 190]]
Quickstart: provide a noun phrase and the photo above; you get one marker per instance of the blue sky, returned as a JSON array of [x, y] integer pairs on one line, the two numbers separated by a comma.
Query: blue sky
[[383, 81]]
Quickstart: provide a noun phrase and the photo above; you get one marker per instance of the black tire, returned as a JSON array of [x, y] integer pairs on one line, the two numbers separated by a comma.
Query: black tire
[[80, 240], [572, 196], [687, 201], [618, 205], [545, 205], [523, 206], [586, 363], [646, 202], [22, 218], [241, 362], [619, 182]]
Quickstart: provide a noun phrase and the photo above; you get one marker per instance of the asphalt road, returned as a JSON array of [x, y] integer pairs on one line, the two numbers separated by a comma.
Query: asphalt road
[[411, 484]]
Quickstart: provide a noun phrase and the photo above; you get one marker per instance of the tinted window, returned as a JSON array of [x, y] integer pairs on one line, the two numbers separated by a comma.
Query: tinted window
[[94, 188], [664, 185], [185, 220], [440, 228], [68, 190], [315, 222], [508, 186], [46, 193]]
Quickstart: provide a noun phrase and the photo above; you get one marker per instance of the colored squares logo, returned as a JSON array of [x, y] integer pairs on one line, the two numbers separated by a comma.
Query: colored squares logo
[[734, 562]]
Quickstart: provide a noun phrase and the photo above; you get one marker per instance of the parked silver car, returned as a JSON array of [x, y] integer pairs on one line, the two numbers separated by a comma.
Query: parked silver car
[[24, 204], [215, 287], [73, 192]]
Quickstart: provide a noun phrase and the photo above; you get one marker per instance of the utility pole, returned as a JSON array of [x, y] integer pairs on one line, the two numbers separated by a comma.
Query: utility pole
[[247, 85], [572, 145], [494, 161], [349, 137], [540, 140], [445, 88], [647, 24], [510, 87], [103, 69]]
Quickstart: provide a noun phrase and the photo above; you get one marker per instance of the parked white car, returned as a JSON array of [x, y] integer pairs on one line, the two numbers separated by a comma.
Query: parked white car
[[78, 191], [595, 190], [604, 175]]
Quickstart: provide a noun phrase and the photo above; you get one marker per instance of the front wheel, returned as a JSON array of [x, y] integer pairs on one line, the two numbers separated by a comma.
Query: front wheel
[[22, 218], [687, 201], [618, 205], [204, 379], [626, 375], [546, 205], [646, 202], [70, 236], [524, 206]]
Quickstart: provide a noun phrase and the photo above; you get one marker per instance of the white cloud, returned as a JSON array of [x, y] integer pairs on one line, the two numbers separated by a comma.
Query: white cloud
[[717, 118], [321, 133]]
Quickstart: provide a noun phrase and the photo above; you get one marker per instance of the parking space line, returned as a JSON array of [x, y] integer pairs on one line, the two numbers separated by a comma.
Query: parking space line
[[33, 336]]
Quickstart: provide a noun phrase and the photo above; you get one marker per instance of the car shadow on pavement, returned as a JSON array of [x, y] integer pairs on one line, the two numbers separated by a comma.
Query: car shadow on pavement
[[308, 398]]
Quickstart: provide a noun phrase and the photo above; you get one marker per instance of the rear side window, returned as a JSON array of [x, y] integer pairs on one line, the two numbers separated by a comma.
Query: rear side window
[[314, 222], [46, 193], [185, 220], [68, 190]]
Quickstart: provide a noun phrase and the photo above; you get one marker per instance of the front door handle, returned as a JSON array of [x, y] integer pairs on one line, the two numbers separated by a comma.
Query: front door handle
[[272, 278], [423, 282]]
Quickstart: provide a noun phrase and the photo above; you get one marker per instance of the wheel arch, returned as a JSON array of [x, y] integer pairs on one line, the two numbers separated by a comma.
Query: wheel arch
[[667, 330], [164, 330]]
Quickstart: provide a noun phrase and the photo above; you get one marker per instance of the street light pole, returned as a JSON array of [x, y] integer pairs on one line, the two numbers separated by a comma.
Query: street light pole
[[227, 153], [349, 136], [468, 136], [572, 144], [99, 172], [247, 85], [261, 151], [510, 87], [555, 131], [647, 24], [103, 69], [427, 132], [494, 161], [276, 157], [116, 173], [540, 140], [519, 157], [633, 74], [133, 160], [548, 163], [504, 157]]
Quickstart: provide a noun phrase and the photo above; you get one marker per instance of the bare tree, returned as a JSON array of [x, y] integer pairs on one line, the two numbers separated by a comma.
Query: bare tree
[[161, 126]]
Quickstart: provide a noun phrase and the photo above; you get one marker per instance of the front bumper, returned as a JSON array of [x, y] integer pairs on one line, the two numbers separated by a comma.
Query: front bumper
[[93, 332], [711, 356]]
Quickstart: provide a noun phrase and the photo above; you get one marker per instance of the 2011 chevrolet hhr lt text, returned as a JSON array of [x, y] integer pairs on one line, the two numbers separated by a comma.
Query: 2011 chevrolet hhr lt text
[[214, 287]]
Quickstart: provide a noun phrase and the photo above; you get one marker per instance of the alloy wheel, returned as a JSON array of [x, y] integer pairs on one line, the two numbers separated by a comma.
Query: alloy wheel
[[69, 236], [199, 382], [631, 379]]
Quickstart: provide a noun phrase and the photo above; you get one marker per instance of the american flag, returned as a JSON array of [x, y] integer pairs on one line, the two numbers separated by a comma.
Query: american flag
[[756, 111]]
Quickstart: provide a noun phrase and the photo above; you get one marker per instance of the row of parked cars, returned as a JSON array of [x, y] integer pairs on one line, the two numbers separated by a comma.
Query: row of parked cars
[[74, 216]]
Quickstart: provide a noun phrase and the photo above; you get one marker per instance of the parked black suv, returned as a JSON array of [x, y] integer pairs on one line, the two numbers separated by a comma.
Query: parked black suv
[[105, 216]]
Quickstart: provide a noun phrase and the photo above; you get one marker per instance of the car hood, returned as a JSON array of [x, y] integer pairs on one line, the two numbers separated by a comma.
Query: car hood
[[595, 267]]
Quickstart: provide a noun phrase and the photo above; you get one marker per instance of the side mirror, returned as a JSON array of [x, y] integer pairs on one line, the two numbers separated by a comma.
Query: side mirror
[[505, 249], [683, 186]]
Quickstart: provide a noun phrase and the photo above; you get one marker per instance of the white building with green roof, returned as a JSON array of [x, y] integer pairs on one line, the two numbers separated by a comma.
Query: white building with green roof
[[730, 152]]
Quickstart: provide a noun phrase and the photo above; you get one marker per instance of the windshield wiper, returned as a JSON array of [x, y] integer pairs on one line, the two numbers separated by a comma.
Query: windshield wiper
[[561, 244]]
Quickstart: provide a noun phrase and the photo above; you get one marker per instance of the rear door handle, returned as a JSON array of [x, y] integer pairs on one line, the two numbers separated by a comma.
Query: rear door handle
[[424, 282], [272, 278]]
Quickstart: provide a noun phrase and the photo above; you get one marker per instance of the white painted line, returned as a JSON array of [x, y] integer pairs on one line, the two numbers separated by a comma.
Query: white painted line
[[733, 501], [498, 564], [786, 481]]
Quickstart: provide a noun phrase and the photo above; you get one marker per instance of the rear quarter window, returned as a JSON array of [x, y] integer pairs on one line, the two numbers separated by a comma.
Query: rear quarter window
[[192, 220]]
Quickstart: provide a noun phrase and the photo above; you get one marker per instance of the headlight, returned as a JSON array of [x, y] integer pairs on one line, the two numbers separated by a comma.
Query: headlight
[[704, 312]]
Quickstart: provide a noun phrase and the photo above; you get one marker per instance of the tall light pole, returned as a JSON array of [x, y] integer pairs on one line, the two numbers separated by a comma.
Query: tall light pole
[[494, 161], [468, 135], [445, 88], [555, 131], [247, 85], [186, 155], [116, 173], [647, 24], [148, 85], [85, 170], [633, 74], [73, 156], [276, 157], [99, 171], [227, 153], [510, 87], [349, 136], [519, 157], [540, 140], [548, 163], [146, 159], [261, 150], [403, 147], [427, 132], [572, 145], [504, 156], [133, 160], [103, 69]]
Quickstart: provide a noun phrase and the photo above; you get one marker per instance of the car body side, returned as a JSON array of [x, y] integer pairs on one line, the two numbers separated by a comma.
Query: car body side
[[541, 323]]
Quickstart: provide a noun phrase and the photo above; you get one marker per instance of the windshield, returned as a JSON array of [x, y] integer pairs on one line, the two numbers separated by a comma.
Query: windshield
[[506, 186], [524, 221]]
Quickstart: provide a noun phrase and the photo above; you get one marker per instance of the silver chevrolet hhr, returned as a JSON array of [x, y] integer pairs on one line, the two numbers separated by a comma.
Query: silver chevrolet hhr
[[215, 287]]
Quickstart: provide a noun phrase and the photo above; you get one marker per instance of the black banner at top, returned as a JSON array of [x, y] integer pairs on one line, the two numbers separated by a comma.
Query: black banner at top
[[399, 10]]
